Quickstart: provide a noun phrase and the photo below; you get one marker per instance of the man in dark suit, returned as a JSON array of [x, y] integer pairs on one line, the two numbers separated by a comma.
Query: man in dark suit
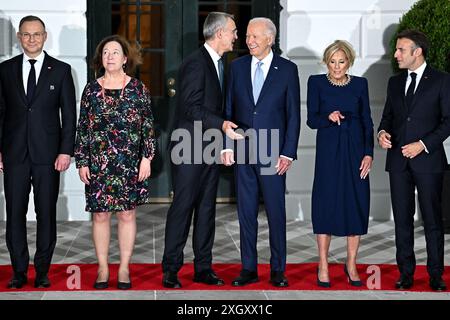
[[263, 94], [414, 125], [35, 146], [200, 105]]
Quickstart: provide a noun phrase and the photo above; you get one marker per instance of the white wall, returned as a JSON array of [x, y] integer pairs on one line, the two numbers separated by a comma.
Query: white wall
[[306, 28], [66, 27]]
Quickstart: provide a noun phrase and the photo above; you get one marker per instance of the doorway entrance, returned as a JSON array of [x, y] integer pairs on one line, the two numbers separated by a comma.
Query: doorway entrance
[[167, 31]]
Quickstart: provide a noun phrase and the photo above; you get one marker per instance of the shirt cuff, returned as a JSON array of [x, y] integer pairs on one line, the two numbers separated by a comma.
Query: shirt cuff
[[290, 159], [226, 150], [380, 132], [424, 146]]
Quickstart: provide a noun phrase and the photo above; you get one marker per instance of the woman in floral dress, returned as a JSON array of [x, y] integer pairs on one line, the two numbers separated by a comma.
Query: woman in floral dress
[[114, 148]]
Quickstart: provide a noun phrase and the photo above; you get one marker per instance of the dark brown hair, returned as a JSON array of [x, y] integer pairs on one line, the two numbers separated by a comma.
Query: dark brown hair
[[132, 53], [29, 19], [419, 39]]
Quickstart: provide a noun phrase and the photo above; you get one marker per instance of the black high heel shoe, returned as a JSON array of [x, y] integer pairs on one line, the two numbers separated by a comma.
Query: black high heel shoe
[[323, 284], [355, 283], [101, 285], [124, 285]]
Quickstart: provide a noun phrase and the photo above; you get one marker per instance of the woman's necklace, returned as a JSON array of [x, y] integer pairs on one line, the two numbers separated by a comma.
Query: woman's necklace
[[123, 86], [339, 84]]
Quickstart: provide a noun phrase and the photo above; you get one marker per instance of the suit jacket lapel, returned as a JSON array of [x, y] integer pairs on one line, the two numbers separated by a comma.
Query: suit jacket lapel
[[43, 76], [248, 77], [423, 85], [402, 89], [211, 66], [19, 78]]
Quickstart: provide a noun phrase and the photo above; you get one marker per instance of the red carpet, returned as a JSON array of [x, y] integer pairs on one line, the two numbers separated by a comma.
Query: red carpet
[[148, 277]]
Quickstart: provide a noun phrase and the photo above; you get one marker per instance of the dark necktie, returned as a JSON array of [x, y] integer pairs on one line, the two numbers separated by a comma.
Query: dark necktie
[[410, 92], [220, 65], [31, 84]]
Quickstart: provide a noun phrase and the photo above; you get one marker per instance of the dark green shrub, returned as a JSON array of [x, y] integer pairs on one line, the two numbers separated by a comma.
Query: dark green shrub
[[432, 17]]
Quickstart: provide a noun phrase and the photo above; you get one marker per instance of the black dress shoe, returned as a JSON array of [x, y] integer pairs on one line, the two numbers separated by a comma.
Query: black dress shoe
[[170, 280], [245, 277], [278, 279], [404, 282], [18, 280], [41, 281], [208, 277], [437, 284]]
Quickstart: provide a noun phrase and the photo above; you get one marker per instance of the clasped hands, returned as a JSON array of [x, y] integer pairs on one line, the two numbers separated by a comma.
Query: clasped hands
[[410, 150]]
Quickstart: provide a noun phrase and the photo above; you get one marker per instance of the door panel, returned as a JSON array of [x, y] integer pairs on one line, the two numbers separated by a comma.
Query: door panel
[[156, 27], [243, 11]]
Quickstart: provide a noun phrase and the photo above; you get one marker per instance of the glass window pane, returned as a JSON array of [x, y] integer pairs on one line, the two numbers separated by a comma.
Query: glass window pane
[[242, 13], [152, 72], [144, 25]]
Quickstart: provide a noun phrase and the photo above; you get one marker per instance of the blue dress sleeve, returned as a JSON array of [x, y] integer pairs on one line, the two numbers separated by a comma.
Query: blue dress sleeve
[[315, 119], [366, 119]]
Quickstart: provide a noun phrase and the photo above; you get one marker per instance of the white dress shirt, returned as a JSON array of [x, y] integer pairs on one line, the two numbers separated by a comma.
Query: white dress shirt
[[214, 56], [26, 67], [419, 73], [267, 61]]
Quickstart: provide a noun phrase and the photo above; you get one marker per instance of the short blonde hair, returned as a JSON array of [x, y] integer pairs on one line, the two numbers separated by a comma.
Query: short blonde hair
[[337, 45]]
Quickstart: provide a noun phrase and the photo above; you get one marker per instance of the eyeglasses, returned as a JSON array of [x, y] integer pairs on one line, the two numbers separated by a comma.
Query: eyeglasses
[[28, 36]]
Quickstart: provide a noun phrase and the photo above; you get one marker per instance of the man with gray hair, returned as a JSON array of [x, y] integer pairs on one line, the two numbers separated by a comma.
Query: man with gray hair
[[200, 101], [263, 94]]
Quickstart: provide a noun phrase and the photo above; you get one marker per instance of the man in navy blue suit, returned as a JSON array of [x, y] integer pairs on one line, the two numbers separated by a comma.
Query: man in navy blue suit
[[263, 97]]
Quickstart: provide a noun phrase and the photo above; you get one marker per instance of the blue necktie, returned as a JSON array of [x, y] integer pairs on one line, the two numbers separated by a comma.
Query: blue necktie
[[258, 81], [220, 65]]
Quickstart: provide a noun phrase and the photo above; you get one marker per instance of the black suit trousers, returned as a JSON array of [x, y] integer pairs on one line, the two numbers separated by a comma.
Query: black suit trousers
[[195, 190], [429, 190], [18, 179]]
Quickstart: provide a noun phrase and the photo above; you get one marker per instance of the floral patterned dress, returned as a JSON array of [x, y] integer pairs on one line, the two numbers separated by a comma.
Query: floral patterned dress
[[113, 135]]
